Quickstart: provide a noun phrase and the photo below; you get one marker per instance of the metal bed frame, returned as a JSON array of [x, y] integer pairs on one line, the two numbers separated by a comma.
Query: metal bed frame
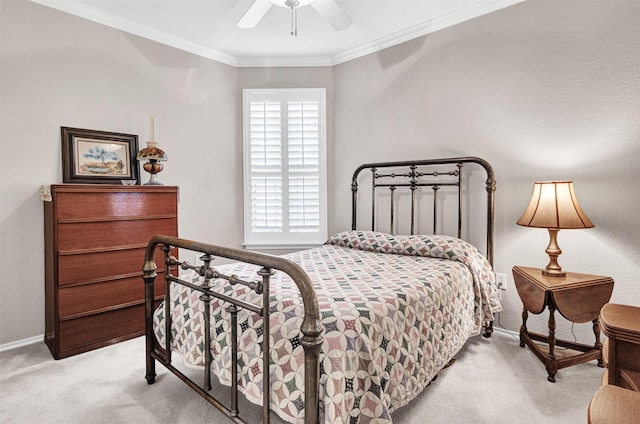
[[412, 178]]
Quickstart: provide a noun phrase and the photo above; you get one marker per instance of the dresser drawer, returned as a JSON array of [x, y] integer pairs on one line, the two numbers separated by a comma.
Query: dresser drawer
[[82, 334], [91, 266], [105, 296], [122, 204], [105, 234]]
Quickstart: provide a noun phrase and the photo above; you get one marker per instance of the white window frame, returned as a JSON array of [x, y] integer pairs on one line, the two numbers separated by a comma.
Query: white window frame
[[285, 239]]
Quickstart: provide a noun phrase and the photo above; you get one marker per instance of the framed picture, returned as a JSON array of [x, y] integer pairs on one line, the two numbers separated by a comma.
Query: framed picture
[[98, 157]]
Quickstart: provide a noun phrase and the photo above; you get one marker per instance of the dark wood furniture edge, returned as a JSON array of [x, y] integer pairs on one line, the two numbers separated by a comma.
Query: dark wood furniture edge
[[614, 405], [58, 354], [621, 321], [621, 324], [112, 188], [528, 273]]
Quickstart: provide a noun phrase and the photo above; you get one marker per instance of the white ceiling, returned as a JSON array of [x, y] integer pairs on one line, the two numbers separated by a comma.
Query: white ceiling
[[208, 27]]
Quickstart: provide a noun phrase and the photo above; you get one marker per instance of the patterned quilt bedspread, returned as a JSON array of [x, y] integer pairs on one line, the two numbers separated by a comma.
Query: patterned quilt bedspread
[[395, 310]]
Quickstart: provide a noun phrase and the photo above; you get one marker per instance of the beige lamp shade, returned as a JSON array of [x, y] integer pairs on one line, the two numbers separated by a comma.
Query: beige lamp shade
[[554, 205]]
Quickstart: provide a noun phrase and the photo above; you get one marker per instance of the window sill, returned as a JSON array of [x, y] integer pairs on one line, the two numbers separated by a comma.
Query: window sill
[[284, 246]]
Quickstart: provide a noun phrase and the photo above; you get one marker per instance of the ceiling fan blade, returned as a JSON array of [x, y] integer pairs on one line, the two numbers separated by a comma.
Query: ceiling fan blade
[[252, 16], [332, 12]]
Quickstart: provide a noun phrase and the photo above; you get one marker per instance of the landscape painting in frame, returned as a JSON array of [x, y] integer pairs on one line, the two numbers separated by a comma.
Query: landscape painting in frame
[[99, 157]]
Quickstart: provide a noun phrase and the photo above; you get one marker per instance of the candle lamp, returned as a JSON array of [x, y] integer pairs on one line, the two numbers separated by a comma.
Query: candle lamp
[[153, 155]]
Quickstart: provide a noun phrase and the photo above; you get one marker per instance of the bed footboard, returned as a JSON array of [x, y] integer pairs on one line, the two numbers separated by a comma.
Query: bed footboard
[[311, 328]]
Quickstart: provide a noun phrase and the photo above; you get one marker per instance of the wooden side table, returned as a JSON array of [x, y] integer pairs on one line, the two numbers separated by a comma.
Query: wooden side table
[[578, 298]]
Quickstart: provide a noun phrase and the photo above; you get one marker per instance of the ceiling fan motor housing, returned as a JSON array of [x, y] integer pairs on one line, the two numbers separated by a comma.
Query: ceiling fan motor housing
[[291, 4]]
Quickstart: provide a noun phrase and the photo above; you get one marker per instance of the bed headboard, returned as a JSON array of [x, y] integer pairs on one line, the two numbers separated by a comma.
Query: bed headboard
[[403, 183]]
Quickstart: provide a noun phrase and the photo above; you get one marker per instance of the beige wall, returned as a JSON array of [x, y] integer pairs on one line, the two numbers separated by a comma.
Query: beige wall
[[544, 89], [60, 70]]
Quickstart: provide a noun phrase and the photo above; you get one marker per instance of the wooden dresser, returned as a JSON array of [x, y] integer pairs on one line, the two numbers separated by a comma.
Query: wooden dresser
[[95, 240]]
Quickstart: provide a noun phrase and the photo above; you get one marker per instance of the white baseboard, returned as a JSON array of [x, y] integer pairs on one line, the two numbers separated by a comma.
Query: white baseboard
[[20, 343]]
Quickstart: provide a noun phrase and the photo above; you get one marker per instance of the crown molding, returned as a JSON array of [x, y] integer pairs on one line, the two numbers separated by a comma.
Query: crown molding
[[283, 62], [441, 22], [80, 9], [85, 11]]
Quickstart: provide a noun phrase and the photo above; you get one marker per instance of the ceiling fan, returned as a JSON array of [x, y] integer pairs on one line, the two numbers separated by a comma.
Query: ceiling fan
[[328, 9]]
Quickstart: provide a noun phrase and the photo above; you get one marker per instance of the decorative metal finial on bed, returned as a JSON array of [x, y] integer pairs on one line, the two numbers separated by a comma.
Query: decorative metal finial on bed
[[491, 184]]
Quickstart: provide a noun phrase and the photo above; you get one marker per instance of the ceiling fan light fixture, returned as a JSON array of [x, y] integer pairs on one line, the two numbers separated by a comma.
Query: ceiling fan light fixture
[[291, 4]]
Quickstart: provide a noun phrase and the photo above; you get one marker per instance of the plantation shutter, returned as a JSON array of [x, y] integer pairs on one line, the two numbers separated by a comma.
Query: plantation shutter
[[303, 166], [285, 168], [266, 166]]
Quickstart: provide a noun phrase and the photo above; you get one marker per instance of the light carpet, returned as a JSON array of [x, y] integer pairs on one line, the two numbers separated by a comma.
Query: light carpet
[[492, 381]]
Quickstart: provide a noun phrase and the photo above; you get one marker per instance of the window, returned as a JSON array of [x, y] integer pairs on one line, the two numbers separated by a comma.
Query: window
[[284, 168]]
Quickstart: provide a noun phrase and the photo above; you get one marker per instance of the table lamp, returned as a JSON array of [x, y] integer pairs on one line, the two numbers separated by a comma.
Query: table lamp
[[153, 155], [554, 206]]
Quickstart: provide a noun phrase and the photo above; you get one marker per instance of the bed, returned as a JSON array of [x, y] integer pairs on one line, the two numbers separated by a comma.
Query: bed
[[357, 327]]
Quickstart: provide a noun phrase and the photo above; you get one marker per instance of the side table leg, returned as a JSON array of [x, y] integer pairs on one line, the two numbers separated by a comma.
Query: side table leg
[[598, 345], [552, 364], [523, 327]]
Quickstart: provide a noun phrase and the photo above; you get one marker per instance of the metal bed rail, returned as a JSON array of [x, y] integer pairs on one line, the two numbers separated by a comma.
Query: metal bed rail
[[311, 327], [412, 175]]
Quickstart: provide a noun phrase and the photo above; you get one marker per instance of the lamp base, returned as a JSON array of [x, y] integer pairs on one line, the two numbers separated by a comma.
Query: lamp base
[[553, 269], [152, 167], [153, 180], [553, 273]]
